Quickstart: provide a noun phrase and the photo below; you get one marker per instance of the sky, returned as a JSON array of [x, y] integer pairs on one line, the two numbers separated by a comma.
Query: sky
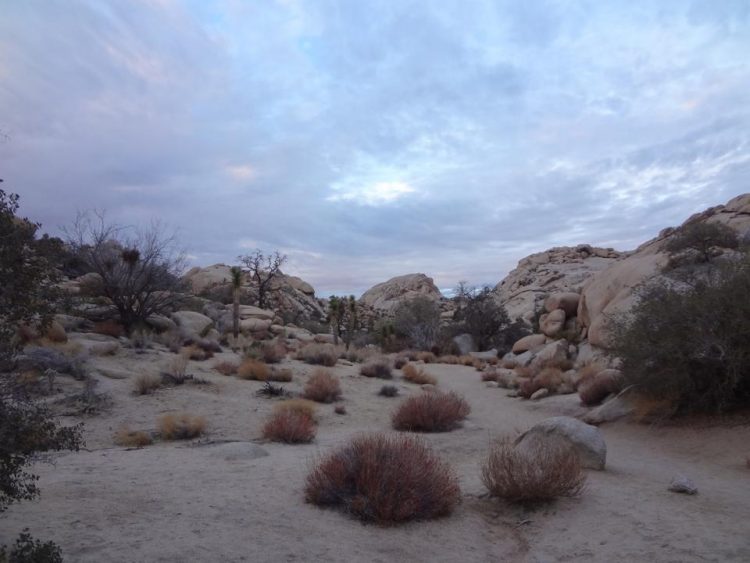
[[368, 139]]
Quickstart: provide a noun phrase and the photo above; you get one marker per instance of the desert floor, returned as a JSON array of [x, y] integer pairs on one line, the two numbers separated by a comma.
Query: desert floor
[[214, 499]]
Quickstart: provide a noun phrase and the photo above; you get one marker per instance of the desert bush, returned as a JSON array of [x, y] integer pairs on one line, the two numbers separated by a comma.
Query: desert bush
[[549, 378], [273, 352], [303, 406], [524, 371], [27, 549], [141, 339], [417, 375], [388, 391], [509, 364], [593, 390], [426, 357], [196, 353], [55, 332], [181, 426], [109, 328], [283, 375], [253, 369], [270, 390], [588, 371], [699, 364], [418, 321], [563, 364], [226, 368], [176, 373], [431, 412], [384, 479], [541, 472], [290, 427], [702, 238], [466, 360], [339, 409], [449, 359], [528, 386], [489, 376], [378, 367], [318, 354], [145, 384], [132, 438], [410, 355], [400, 361], [322, 387]]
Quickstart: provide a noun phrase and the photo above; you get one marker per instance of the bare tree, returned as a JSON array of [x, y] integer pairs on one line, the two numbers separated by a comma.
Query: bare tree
[[418, 320], [262, 268], [139, 269]]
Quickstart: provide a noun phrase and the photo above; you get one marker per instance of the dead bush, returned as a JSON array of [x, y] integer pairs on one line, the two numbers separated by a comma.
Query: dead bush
[[378, 367], [226, 368], [563, 364], [388, 391], [55, 332], [253, 370], [417, 375], [549, 378], [177, 371], [318, 354], [489, 375], [322, 387], [411, 355], [109, 328], [540, 473], [290, 427], [283, 375], [127, 438], [431, 412], [527, 387], [273, 352], [145, 384], [303, 406], [466, 360], [180, 426], [588, 371], [384, 479], [426, 357]]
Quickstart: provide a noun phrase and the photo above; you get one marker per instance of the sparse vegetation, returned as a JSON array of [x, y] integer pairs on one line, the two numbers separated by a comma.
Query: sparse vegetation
[[388, 391], [132, 438], [322, 387], [273, 352], [145, 384], [318, 354], [303, 406], [542, 473], [27, 549], [283, 375], [418, 321], [226, 368], [702, 238], [431, 412], [270, 390], [181, 426], [254, 370], [384, 479], [290, 426], [377, 367], [417, 375]]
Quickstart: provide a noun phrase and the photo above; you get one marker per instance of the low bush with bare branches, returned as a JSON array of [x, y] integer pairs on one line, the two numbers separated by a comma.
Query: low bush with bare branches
[[400, 361], [304, 406], [384, 479], [417, 375], [283, 375], [540, 473], [322, 387], [318, 354], [181, 426], [145, 384], [431, 412], [377, 367], [290, 427], [426, 357], [490, 375], [226, 368], [273, 352], [254, 370]]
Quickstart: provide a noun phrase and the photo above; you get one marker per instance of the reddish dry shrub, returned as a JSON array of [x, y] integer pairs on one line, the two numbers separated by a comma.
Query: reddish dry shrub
[[378, 367], [226, 368], [509, 364], [594, 390], [589, 371], [196, 353], [181, 426], [523, 371], [290, 426], [411, 355], [109, 328], [427, 357], [466, 360], [302, 406], [540, 473], [253, 369], [549, 378], [489, 375], [527, 387], [145, 384], [431, 412], [280, 374], [273, 352], [318, 354], [322, 387], [417, 375], [478, 364], [55, 332], [132, 438], [563, 364], [384, 479]]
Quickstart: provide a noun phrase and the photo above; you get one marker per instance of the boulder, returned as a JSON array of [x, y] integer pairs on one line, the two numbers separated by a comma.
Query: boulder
[[254, 325], [323, 338], [681, 484], [529, 342], [587, 440], [539, 394], [556, 351], [277, 329], [567, 302], [201, 279], [388, 295], [160, 323], [465, 343], [486, 355], [299, 334], [192, 323], [552, 323], [251, 312], [614, 409]]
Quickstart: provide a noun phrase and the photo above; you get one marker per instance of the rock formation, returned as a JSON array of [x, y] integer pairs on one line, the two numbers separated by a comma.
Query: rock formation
[[386, 296]]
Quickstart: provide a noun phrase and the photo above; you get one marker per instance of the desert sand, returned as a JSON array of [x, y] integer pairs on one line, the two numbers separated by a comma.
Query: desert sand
[[219, 499]]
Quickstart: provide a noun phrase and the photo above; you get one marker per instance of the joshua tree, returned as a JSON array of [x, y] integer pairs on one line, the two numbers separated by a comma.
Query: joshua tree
[[262, 269], [336, 309], [236, 272]]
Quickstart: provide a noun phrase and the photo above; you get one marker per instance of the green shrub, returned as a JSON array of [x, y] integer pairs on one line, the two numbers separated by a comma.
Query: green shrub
[[30, 550]]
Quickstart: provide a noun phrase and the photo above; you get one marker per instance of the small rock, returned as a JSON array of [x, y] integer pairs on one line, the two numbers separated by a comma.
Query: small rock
[[512, 393], [682, 484], [539, 394]]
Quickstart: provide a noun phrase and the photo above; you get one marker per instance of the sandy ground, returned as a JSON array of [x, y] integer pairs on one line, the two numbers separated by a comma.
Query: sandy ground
[[214, 500]]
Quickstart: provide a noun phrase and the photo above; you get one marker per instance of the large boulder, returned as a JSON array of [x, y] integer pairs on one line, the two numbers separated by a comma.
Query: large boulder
[[552, 323], [568, 302], [529, 343], [388, 295], [251, 312], [555, 352], [201, 279], [192, 323], [587, 440], [253, 325]]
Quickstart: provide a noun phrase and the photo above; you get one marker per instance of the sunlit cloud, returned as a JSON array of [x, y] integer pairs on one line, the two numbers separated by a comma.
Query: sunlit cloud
[[241, 172], [379, 193]]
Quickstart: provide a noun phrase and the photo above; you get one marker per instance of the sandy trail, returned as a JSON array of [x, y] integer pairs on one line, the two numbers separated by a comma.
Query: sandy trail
[[218, 502]]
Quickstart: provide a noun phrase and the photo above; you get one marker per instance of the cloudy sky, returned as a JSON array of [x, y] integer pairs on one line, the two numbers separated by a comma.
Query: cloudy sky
[[367, 139]]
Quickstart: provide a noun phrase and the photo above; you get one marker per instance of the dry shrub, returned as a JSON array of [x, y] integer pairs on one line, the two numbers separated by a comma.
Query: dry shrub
[[489, 375], [549, 378], [400, 362], [541, 472], [466, 360], [145, 384], [427, 357], [177, 372], [302, 406], [181, 426], [378, 367], [411, 355], [524, 371], [318, 354], [339, 409], [388, 391], [478, 364], [55, 332], [563, 364], [283, 375], [104, 349], [431, 412], [594, 390], [290, 427], [322, 387], [253, 369], [226, 368], [417, 375], [450, 359], [273, 352], [361, 355], [589, 371], [384, 479], [527, 387], [132, 438], [196, 353], [109, 328]]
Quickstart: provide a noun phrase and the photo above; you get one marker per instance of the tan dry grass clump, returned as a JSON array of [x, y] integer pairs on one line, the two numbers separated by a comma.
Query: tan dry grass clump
[[273, 352], [431, 412], [384, 479], [283, 375], [226, 368], [290, 427], [449, 359], [127, 438], [322, 387], [549, 378], [303, 406], [377, 367], [417, 375], [426, 357], [145, 384], [253, 370], [319, 354], [400, 361], [490, 375], [543, 473], [181, 426]]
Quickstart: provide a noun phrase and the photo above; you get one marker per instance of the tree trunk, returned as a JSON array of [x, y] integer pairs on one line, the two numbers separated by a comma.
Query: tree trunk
[[236, 314]]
